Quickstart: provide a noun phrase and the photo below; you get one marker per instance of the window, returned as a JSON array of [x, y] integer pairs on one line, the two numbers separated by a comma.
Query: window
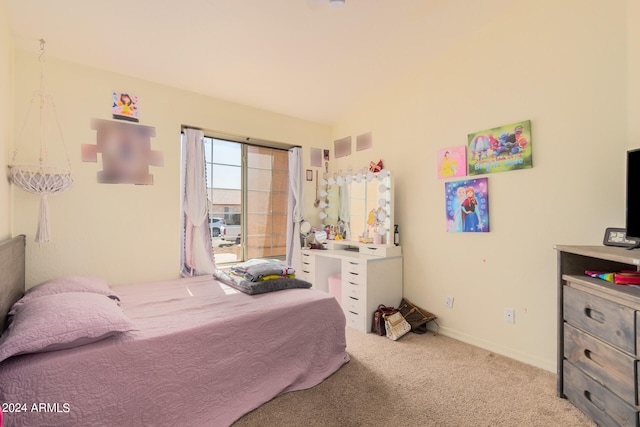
[[247, 188]]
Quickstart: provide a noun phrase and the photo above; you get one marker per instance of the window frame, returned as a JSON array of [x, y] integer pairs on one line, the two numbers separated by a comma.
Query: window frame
[[245, 141]]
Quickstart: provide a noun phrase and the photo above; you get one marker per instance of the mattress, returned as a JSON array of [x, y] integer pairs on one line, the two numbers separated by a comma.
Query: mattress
[[203, 354]]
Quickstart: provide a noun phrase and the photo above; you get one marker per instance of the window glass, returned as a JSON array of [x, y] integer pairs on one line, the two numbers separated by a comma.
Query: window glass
[[255, 191]]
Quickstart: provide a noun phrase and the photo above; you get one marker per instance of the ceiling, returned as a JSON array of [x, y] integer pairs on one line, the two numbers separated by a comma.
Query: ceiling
[[301, 58]]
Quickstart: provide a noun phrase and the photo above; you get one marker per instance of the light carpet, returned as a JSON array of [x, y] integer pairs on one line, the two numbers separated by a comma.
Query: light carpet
[[423, 380]]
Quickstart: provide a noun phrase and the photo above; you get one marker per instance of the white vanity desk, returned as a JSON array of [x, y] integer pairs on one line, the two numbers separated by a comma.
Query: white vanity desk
[[371, 275]]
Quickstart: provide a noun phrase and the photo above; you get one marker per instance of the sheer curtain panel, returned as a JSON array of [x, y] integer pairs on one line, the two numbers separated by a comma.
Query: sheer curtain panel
[[294, 211], [197, 250]]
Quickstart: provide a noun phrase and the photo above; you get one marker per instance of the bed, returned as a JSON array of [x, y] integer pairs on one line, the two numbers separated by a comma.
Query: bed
[[201, 353]]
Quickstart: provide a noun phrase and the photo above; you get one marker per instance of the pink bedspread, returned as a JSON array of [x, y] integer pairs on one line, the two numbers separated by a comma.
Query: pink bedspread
[[205, 355]]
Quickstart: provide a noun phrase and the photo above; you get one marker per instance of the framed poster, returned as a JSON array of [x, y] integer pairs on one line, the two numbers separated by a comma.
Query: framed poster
[[125, 106], [467, 206], [452, 162], [500, 149]]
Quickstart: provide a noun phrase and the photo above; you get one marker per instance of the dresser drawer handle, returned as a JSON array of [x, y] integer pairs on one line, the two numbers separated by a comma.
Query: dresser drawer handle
[[589, 355], [594, 400], [351, 283], [354, 298], [353, 312], [594, 314], [372, 249]]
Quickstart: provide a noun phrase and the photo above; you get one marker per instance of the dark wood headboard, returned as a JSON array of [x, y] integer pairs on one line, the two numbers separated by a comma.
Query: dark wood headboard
[[12, 275]]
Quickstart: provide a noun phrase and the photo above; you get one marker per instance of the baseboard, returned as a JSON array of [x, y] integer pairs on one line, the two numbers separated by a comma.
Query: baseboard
[[499, 349]]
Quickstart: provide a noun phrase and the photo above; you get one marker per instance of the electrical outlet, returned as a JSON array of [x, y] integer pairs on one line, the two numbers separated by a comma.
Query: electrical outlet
[[509, 315], [449, 301]]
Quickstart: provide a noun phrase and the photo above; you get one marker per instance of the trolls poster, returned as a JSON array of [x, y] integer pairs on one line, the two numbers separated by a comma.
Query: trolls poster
[[500, 149], [467, 206]]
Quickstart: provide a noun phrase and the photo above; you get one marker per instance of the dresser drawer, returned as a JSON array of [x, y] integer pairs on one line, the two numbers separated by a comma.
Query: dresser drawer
[[602, 362], [604, 407], [356, 320], [612, 322]]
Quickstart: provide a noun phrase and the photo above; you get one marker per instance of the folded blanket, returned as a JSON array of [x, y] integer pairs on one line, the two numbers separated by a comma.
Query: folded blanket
[[261, 287], [255, 269]]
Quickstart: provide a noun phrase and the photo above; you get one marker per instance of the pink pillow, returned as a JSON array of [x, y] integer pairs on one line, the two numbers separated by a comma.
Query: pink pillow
[[61, 285], [59, 321]]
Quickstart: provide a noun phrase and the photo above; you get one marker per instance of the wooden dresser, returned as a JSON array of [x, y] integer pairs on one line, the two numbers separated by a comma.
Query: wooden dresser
[[599, 334]]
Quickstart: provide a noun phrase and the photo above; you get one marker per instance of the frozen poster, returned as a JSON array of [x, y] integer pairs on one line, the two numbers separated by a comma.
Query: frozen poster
[[467, 206], [125, 106], [452, 162], [500, 149]]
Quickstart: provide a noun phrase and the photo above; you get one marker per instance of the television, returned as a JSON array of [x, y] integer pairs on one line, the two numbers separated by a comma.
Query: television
[[632, 219]]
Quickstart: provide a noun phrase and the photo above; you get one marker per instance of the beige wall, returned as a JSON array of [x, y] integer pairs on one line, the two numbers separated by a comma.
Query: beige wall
[[563, 65], [567, 66], [125, 233], [6, 119], [633, 71]]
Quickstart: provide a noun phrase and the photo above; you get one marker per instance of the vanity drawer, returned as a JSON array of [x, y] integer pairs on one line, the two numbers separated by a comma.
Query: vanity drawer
[[610, 321], [308, 260], [356, 320], [356, 267], [602, 362], [353, 304], [350, 289], [604, 407], [381, 250], [354, 278]]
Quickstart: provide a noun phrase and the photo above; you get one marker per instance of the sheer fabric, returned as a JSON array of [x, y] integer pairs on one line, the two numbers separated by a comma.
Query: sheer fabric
[[294, 211], [197, 250]]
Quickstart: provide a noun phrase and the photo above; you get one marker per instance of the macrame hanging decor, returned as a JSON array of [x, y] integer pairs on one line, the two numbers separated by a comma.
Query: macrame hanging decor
[[42, 178]]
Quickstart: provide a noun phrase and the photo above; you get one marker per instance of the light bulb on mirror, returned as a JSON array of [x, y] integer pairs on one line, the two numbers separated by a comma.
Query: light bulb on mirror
[[381, 202], [369, 176], [323, 193], [340, 180], [383, 174], [323, 204], [348, 179], [331, 181], [322, 215], [382, 188], [323, 181], [382, 230], [382, 215], [358, 177]]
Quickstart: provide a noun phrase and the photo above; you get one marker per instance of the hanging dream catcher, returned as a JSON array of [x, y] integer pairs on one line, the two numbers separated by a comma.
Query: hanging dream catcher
[[42, 177]]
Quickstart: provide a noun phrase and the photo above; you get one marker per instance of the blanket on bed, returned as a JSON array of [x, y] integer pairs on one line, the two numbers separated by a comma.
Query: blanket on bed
[[204, 354]]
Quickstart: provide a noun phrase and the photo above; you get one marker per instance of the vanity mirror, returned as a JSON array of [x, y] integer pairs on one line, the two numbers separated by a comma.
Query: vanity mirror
[[364, 202]]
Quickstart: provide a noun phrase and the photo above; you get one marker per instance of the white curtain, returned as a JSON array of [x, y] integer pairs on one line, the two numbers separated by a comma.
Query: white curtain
[[294, 211], [197, 251]]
